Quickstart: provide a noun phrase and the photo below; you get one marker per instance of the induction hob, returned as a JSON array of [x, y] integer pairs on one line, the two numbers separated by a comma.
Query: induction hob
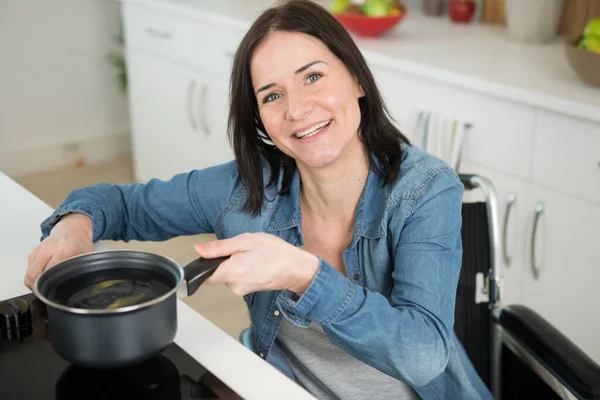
[[31, 369]]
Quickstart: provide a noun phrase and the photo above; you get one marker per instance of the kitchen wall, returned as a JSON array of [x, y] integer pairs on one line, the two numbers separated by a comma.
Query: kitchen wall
[[59, 100]]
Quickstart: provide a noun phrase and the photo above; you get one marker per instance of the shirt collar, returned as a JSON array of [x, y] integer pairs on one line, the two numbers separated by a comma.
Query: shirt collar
[[369, 213]]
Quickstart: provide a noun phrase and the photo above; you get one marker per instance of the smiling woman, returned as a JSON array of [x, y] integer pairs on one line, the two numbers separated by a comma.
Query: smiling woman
[[344, 240], [297, 60]]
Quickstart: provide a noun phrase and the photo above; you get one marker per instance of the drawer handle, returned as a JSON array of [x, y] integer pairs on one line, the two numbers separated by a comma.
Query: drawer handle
[[190, 104], [534, 267], [158, 33], [510, 200], [203, 95]]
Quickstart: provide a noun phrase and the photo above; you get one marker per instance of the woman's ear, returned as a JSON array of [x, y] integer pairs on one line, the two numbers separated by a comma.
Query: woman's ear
[[358, 88]]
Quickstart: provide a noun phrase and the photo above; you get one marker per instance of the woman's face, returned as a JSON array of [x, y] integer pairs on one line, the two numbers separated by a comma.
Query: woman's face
[[307, 99]]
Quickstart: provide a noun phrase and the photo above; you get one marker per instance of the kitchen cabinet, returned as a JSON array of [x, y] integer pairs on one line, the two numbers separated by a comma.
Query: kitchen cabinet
[[498, 128], [563, 271], [557, 138], [179, 117], [179, 113]]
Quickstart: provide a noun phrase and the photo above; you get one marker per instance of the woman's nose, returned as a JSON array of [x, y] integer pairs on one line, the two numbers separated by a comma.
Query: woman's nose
[[298, 106]]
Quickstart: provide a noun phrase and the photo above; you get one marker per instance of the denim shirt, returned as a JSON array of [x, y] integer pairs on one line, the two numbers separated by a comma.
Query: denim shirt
[[394, 310]]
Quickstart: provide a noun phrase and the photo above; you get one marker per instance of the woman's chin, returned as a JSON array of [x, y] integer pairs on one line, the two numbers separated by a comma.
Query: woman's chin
[[318, 160]]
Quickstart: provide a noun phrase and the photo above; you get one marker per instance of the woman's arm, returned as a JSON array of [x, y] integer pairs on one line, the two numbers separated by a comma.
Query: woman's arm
[[408, 337], [186, 204]]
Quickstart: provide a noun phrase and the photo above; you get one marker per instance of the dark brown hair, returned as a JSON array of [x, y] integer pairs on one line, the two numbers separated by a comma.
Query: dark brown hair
[[246, 132]]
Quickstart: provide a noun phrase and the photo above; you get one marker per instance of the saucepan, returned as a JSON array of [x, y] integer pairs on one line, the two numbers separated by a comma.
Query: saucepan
[[116, 308]]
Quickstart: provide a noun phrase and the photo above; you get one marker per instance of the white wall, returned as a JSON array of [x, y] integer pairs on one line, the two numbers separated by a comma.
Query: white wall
[[59, 99]]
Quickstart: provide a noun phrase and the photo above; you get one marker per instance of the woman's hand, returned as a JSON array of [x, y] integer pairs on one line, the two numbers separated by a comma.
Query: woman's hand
[[259, 261], [71, 236]]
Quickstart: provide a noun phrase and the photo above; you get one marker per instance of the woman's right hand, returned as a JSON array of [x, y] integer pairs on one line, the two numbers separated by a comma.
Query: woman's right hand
[[71, 236]]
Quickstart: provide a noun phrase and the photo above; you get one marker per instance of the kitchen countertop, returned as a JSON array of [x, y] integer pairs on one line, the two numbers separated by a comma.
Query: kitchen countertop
[[478, 57], [246, 373]]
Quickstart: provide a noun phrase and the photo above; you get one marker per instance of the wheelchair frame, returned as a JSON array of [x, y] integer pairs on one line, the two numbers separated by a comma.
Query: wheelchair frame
[[570, 374]]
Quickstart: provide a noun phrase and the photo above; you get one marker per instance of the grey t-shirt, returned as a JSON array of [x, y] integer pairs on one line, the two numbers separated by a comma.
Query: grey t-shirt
[[329, 373]]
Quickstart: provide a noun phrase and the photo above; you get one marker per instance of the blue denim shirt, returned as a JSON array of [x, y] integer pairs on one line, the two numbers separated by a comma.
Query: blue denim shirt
[[395, 308]]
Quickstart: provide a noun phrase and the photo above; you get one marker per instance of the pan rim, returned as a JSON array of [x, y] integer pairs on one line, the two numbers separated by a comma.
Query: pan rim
[[121, 310]]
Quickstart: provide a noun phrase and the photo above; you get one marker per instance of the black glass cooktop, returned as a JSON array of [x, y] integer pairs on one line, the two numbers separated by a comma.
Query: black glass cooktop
[[30, 369]]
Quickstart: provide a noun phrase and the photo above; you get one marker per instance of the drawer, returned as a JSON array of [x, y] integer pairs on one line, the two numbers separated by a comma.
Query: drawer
[[501, 132], [566, 155], [158, 33], [214, 47]]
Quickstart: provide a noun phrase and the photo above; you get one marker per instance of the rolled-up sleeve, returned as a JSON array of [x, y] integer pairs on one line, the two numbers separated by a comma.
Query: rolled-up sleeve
[[187, 204]]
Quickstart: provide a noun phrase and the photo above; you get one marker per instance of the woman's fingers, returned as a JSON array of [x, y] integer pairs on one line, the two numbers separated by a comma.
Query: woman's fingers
[[37, 266], [231, 272], [226, 247]]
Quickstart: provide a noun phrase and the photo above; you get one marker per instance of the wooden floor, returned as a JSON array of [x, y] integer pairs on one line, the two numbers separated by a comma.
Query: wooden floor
[[215, 302]]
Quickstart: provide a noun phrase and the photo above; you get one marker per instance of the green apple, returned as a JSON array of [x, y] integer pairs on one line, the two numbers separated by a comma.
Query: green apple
[[377, 8], [338, 6], [592, 28], [591, 43]]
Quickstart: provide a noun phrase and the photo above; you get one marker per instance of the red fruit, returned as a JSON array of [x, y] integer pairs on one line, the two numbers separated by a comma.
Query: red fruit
[[461, 11]]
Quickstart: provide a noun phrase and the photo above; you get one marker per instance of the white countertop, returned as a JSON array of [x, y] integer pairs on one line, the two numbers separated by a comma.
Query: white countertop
[[246, 373], [477, 57]]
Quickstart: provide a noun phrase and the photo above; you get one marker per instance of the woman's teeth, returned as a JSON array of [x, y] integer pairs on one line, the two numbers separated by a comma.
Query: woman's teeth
[[312, 131]]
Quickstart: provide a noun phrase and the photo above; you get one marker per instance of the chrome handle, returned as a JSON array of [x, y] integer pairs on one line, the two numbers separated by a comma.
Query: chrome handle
[[539, 208], [190, 104], [158, 33], [510, 200], [203, 95]]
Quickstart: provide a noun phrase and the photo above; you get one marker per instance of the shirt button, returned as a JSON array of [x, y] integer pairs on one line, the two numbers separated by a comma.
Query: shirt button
[[276, 313], [262, 355], [356, 277]]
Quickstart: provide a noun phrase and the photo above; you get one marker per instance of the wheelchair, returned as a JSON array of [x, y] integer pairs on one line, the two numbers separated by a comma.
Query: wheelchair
[[515, 351]]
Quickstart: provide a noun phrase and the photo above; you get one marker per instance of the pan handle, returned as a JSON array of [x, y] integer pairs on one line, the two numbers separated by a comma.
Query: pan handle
[[198, 270]]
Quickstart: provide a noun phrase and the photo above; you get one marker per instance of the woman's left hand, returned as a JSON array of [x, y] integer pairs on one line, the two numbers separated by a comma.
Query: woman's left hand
[[260, 261]]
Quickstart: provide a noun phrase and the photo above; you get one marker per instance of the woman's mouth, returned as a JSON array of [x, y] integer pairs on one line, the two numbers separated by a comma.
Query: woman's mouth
[[312, 131]]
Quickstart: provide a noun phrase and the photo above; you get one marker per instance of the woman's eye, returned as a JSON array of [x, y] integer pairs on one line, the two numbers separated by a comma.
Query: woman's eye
[[313, 77], [271, 97]]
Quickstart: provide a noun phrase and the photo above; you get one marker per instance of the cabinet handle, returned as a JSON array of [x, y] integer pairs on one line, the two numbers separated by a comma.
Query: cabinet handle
[[539, 208], [158, 33], [203, 95], [510, 200], [190, 104]]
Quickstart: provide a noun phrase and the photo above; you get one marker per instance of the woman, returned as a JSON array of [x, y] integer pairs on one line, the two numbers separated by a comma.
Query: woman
[[343, 239]]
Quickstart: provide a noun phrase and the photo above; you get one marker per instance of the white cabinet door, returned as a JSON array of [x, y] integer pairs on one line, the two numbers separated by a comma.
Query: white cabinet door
[[567, 257], [512, 195], [567, 155], [208, 145], [161, 114], [178, 116]]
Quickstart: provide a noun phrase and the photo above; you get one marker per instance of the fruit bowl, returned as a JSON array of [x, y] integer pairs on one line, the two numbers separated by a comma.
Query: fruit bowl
[[585, 63], [357, 20]]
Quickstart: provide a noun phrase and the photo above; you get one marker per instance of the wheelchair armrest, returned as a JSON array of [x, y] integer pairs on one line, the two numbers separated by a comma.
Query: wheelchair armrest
[[561, 357]]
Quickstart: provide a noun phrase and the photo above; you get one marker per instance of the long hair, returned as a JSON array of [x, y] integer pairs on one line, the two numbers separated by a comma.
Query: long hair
[[246, 132]]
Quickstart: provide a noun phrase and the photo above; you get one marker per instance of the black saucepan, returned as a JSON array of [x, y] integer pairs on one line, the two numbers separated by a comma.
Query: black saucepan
[[116, 308]]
